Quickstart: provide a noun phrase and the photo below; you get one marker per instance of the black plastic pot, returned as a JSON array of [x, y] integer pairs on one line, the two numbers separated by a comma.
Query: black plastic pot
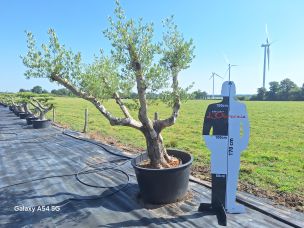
[[29, 120], [160, 186], [24, 115], [37, 124], [17, 113]]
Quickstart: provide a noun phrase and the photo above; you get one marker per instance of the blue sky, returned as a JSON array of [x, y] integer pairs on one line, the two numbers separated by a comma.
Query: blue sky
[[233, 28]]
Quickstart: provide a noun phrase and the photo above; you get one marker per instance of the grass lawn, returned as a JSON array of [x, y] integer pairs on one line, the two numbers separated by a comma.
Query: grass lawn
[[273, 161]]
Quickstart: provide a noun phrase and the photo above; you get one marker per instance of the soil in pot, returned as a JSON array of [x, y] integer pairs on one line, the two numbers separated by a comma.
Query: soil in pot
[[38, 124], [175, 162], [161, 186]]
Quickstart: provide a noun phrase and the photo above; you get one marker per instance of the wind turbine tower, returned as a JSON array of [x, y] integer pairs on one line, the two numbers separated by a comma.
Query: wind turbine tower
[[229, 68], [229, 65], [212, 76], [266, 55]]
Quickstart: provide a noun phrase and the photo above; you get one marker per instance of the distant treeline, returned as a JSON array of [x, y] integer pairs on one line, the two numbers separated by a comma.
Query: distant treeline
[[286, 90], [196, 95], [40, 90]]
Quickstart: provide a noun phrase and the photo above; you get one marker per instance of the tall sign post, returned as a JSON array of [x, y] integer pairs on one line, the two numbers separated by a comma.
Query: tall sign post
[[226, 133]]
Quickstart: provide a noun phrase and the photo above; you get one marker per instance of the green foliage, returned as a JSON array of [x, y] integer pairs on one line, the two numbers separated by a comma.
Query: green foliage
[[25, 97], [45, 100], [37, 89], [168, 97], [286, 90], [7, 98], [177, 53], [51, 59], [199, 95], [133, 52]]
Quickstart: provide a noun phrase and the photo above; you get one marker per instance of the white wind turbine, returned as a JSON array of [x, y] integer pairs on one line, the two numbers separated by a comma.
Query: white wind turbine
[[212, 76], [266, 54], [229, 65]]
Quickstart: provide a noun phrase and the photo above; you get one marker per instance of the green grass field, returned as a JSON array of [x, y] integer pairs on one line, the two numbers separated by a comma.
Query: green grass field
[[273, 161]]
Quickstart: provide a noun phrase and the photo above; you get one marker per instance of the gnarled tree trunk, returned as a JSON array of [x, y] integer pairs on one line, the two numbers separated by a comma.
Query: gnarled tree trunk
[[156, 150]]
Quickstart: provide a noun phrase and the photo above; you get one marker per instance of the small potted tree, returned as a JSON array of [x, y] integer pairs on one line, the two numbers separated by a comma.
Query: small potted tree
[[24, 100], [4, 100], [137, 62], [7, 100], [43, 106], [17, 107]]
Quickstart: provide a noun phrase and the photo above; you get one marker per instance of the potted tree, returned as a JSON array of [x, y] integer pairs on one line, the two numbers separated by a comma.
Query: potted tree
[[4, 100], [7, 101], [43, 106], [24, 100], [135, 61], [17, 108]]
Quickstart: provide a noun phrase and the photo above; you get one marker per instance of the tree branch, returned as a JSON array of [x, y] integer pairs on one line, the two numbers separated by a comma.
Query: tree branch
[[36, 106], [113, 120], [45, 110], [122, 106], [161, 124], [39, 104], [141, 89]]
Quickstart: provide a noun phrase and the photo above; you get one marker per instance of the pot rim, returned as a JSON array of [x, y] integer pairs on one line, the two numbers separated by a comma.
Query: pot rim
[[40, 120], [133, 162]]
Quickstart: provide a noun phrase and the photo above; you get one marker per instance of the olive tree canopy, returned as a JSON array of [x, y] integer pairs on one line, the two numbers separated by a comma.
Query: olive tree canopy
[[136, 61]]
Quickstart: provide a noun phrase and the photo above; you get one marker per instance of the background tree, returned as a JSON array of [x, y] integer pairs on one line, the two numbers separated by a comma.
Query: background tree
[[261, 95], [286, 86], [199, 95], [302, 92], [135, 61], [23, 90], [274, 90], [37, 89], [44, 91], [286, 90]]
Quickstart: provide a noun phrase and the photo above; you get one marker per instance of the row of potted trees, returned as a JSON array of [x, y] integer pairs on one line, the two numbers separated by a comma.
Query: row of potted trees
[[29, 106]]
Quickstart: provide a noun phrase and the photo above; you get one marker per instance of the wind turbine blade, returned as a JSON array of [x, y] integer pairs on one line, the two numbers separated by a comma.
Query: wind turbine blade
[[211, 76], [268, 56], [226, 72], [226, 59], [218, 75]]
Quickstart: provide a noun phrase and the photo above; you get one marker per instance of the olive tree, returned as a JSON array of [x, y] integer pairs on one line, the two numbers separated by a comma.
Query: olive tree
[[42, 105], [136, 61], [16, 102], [25, 100]]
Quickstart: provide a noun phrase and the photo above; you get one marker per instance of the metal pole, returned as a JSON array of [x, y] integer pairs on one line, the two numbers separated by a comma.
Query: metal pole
[[229, 71], [264, 68], [86, 113], [54, 114], [213, 87]]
